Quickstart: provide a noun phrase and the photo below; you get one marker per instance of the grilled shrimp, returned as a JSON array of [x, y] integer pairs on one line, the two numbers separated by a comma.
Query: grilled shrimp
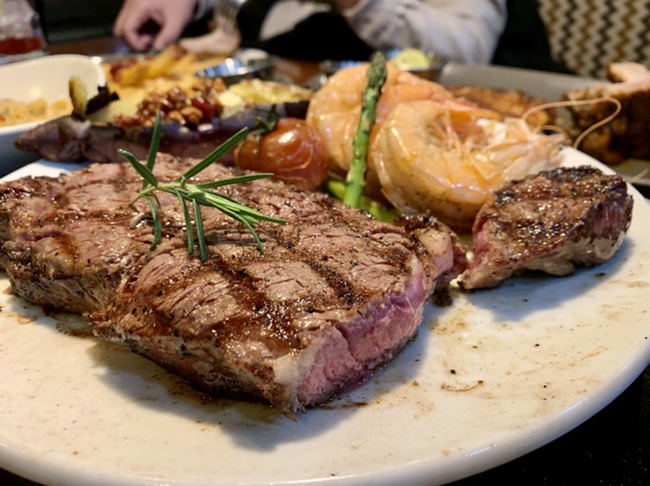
[[335, 109], [432, 157]]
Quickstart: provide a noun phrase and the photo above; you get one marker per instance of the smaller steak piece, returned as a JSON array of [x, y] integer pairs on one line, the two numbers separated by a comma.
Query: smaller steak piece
[[552, 222]]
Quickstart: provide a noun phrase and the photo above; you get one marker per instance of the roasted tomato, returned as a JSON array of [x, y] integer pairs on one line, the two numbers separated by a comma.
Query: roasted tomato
[[290, 148]]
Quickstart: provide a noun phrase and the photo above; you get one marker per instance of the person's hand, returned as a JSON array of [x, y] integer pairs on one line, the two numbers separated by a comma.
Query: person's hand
[[171, 17], [216, 42]]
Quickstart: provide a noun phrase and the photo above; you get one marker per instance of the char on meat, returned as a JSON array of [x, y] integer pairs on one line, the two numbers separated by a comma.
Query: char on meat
[[552, 222], [335, 294]]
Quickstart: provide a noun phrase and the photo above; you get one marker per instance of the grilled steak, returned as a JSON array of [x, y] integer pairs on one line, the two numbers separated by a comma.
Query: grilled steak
[[335, 294], [552, 222]]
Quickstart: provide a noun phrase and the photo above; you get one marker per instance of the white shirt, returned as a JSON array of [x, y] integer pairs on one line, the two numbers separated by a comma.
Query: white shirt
[[459, 30]]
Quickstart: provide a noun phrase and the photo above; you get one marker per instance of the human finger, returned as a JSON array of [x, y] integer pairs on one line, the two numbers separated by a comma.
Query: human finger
[[170, 31], [129, 27]]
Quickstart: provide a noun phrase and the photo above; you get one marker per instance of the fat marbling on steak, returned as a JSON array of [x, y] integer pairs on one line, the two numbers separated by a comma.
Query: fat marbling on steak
[[552, 222], [335, 294]]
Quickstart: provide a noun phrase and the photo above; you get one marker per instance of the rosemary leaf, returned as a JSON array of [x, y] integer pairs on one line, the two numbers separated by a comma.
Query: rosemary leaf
[[140, 168], [188, 223], [155, 144], [198, 221], [246, 222], [234, 180], [219, 152], [218, 201], [198, 194], [155, 214]]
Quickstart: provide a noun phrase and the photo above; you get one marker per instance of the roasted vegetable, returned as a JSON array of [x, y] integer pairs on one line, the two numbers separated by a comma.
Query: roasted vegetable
[[289, 148], [72, 139], [356, 177]]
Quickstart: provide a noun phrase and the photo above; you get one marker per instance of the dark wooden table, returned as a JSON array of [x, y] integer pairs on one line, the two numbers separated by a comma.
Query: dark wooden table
[[611, 448]]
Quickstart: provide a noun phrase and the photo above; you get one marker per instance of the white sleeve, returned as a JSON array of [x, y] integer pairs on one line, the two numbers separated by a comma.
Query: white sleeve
[[460, 30], [203, 7]]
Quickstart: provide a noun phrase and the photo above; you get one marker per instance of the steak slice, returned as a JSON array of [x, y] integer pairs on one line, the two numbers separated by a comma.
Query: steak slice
[[552, 222], [335, 294], [67, 240]]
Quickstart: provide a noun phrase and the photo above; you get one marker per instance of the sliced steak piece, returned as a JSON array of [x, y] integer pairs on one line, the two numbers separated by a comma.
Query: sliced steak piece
[[67, 240], [335, 294], [551, 222]]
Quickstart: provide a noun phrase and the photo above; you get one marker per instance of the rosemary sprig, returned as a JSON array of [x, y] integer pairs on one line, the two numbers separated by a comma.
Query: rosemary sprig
[[196, 195]]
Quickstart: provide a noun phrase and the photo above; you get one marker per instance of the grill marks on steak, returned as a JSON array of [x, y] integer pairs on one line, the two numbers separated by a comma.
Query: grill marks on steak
[[335, 294], [70, 238], [258, 329], [553, 222]]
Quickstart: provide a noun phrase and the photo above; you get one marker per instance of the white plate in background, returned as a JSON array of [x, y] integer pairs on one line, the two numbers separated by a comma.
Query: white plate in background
[[44, 77], [497, 374], [546, 85]]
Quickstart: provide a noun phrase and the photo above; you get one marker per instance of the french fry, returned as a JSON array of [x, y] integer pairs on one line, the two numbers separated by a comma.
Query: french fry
[[185, 65], [78, 95], [133, 75], [164, 63], [173, 66]]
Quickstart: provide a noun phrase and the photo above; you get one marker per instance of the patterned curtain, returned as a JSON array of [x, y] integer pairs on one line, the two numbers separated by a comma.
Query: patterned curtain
[[586, 35]]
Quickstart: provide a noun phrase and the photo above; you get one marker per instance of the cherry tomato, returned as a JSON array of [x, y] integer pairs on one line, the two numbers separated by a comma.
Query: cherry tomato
[[293, 151]]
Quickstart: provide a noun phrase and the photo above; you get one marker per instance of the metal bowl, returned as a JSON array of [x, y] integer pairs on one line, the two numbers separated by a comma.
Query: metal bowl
[[245, 64], [330, 67], [431, 71]]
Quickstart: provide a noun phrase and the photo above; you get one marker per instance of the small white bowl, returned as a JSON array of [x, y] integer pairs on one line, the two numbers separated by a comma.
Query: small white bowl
[[44, 77]]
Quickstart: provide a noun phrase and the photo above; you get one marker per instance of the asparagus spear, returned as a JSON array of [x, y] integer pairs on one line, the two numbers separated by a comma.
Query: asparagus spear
[[375, 208], [356, 177]]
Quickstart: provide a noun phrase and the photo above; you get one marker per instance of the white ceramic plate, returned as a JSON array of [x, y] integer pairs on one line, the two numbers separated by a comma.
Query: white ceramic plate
[[44, 77], [496, 375]]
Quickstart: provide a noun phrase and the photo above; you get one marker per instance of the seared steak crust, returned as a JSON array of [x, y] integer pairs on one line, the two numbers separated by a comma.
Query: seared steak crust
[[68, 239], [335, 294], [552, 222]]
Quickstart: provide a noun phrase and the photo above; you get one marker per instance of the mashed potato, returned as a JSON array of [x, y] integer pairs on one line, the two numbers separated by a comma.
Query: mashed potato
[[14, 112]]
